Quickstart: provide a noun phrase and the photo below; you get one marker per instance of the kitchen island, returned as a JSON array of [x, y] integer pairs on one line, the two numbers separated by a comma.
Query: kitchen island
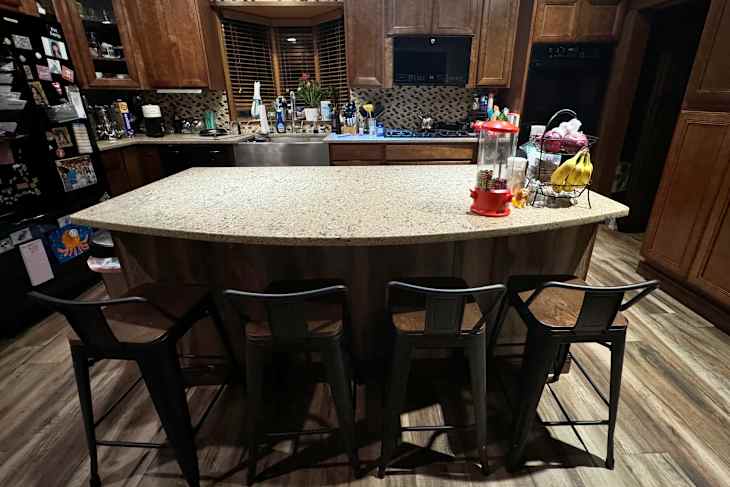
[[244, 227]]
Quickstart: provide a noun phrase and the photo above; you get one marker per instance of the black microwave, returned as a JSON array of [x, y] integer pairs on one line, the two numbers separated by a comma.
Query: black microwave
[[428, 60]]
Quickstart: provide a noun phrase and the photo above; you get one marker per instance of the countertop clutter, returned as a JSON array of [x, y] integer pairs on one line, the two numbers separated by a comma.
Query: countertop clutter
[[333, 206]]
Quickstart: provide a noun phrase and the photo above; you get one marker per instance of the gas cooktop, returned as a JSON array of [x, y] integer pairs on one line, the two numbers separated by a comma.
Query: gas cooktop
[[426, 134]]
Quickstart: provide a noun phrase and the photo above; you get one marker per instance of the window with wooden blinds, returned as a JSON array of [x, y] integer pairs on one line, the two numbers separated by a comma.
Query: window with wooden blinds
[[332, 60], [248, 49], [296, 56]]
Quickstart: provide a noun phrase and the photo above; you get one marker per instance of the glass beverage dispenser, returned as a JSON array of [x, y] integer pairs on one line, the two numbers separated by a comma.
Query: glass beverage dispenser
[[497, 143]]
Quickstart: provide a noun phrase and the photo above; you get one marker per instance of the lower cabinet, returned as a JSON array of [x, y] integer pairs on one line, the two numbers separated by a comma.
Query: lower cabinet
[[688, 238], [401, 154], [130, 168]]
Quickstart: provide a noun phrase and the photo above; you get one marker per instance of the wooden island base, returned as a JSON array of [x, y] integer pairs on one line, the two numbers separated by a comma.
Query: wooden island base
[[365, 269]]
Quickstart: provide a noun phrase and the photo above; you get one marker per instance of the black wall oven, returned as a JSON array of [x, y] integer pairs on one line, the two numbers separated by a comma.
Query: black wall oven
[[571, 76], [427, 60]]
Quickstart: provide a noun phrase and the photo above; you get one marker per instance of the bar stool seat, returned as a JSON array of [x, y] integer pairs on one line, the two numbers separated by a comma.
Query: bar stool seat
[[408, 320], [260, 330], [559, 307]]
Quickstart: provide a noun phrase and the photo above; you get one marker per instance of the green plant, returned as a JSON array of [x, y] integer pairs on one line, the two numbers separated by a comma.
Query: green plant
[[310, 92]]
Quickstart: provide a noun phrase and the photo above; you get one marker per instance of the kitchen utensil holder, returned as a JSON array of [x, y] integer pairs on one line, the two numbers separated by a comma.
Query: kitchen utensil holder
[[545, 189]]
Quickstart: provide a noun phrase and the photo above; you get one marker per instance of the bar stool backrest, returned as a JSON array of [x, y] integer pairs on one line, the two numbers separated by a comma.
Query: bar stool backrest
[[600, 304], [87, 319], [287, 312], [445, 307]]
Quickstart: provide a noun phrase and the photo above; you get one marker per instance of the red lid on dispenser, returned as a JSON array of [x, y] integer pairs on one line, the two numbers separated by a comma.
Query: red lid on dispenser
[[494, 126]]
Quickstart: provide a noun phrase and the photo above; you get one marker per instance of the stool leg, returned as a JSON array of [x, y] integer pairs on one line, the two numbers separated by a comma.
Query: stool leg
[[161, 372], [560, 359], [254, 386], [83, 384], [497, 328], [225, 340], [538, 361], [339, 382], [394, 401], [478, 372], [617, 362]]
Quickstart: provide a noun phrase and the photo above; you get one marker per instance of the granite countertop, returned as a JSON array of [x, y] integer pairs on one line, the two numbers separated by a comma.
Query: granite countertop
[[325, 206], [105, 145], [372, 139]]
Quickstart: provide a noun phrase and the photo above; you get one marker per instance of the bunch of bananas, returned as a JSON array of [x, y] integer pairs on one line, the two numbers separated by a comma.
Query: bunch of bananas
[[575, 172]]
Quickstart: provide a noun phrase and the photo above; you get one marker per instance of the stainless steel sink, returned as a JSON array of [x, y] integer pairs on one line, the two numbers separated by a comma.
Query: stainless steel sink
[[285, 150]]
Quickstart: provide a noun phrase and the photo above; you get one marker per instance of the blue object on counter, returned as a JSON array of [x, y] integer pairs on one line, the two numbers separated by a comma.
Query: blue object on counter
[[380, 130]]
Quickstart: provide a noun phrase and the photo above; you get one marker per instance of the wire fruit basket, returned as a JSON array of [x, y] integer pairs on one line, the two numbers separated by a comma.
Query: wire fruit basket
[[541, 187]]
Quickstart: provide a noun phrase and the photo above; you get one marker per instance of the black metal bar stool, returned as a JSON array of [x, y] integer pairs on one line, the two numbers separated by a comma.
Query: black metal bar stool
[[558, 311], [436, 313], [143, 327], [301, 316]]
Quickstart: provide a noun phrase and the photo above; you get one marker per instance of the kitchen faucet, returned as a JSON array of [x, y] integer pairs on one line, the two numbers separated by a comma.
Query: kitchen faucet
[[293, 104]]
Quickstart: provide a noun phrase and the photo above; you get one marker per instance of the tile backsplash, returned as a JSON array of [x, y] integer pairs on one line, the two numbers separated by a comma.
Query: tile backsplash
[[188, 105], [404, 104]]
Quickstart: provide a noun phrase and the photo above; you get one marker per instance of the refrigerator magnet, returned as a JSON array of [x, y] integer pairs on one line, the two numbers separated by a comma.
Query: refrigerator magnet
[[58, 88], [43, 72], [6, 245], [22, 235], [61, 136], [69, 241], [67, 74], [54, 65], [28, 72], [22, 42], [76, 173], [39, 96], [54, 48], [36, 262]]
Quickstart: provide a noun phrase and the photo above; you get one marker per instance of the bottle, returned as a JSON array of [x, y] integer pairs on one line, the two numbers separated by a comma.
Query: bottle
[[336, 124]]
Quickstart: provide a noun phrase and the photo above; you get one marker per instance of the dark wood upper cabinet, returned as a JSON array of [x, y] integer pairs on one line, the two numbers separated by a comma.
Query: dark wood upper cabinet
[[578, 20], [20, 6], [404, 17], [709, 83], [90, 28], [497, 42], [691, 186], [456, 17], [438, 17], [365, 42], [600, 20], [179, 43]]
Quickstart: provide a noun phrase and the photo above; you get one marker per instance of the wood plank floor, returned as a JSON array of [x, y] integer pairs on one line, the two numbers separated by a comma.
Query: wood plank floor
[[673, 426]]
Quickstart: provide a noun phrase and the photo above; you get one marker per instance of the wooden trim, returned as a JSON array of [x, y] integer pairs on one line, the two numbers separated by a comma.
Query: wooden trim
[[622, 85], [232, 110], [697, 302]]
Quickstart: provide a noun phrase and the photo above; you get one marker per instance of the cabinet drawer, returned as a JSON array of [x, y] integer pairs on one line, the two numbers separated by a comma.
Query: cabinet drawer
[[428, 163], [356, 152], [429, 152]]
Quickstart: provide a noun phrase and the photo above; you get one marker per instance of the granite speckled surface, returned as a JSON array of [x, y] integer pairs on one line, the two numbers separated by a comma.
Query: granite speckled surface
[[168, 139], [325, 206], [372, 139]]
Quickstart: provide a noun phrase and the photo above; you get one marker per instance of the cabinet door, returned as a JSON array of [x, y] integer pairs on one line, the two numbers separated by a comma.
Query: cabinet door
[[711, 268], [456, 17], [100, 43], [176, 43], [497, 42], [600, 20], [404, 17], [365, 42], [556, 21], [693, 174], [709, 83]]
